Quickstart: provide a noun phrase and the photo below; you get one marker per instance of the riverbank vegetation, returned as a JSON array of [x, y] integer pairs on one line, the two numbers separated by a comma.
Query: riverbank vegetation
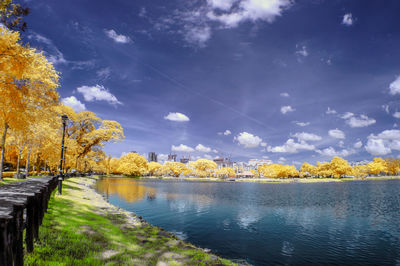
[[133, 164], [81, 228]]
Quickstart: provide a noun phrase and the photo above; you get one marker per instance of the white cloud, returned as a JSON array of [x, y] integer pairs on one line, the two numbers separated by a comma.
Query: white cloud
[[306, 136], [248, 10], [118, 38], [291, 147], [263, 144], [347, 19], [284, 94], [182, 148], [286, 109], [221, 4], [331, 152], [302, 50], [52, 53], [341, 144], [330, 111], [73, 102], [358, 144], [396, 115], [394, 87], [197, 20], [97, 93], [377, 147], [384, 142], [362, 121], [214, 151], [392, 134], [177, 117], [302, 124], [202, 148], [198, 35], [354, 121], [337, 133], [248, 140], [226, 133], [347, 115]]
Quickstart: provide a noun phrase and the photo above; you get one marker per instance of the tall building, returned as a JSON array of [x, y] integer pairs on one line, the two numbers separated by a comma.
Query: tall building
[[152, 157], [223, 162], [172, 157]]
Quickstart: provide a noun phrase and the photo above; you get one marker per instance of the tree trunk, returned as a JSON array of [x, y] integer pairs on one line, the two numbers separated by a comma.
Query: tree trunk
[[27, 162], [3, 144], [19, 162]]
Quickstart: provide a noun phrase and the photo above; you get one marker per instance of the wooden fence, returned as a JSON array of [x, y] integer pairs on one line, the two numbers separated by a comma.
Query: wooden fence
[[22, 206]]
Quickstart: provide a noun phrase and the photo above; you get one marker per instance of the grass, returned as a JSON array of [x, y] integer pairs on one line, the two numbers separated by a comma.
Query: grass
[[9, 180], [80, 228]]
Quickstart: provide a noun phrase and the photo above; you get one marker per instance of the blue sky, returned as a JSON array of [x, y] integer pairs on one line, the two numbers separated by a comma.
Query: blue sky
[[291, 81]]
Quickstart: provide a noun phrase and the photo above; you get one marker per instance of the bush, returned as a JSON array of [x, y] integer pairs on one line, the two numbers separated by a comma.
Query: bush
[[8, 174]]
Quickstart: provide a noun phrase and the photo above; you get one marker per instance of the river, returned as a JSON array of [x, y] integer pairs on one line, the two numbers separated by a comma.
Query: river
[[352, 223]]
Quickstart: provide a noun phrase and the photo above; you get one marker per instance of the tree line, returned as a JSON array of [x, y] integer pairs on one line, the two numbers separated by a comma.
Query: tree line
[[133, 164]]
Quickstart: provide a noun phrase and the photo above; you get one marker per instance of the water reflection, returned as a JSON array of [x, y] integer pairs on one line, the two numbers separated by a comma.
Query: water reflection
[[353, 222], [125, 188]]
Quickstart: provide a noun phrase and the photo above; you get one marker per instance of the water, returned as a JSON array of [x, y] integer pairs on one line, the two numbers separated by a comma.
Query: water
[[353, 223]]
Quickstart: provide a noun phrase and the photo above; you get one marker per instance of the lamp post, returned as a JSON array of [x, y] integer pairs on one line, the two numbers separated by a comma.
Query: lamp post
[[64, 119], [65, 155]]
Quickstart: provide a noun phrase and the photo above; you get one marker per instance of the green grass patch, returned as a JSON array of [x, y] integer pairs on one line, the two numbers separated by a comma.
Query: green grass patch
[[75, 233]]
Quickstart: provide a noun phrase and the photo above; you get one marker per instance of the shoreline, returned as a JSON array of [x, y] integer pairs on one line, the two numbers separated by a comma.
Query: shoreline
[[264, 180], [81, 222]]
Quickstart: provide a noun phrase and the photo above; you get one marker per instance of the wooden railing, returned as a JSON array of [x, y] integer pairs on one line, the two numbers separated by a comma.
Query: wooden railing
[[22, 207]]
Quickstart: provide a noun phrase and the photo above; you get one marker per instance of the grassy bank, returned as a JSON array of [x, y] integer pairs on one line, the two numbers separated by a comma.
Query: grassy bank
[[81, 228], [272, 180], [9, 180]]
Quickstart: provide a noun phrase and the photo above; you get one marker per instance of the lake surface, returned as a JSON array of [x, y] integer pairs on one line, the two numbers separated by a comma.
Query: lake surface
[[352, 223]]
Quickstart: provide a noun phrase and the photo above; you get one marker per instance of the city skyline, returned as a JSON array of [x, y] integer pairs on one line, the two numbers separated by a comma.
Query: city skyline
[[290, 81]]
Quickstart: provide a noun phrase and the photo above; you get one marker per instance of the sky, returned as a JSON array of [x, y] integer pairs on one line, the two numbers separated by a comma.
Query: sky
[[289, 81]]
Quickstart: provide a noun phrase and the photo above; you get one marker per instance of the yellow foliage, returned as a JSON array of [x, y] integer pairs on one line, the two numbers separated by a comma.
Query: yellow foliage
[[132, 164], [307, 170], [377, 166], [176, 168], [203, 167], [154, 168], [225, 172]]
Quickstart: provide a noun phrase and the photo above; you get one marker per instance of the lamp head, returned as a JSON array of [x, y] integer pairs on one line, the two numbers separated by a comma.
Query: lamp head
[[64, 118]]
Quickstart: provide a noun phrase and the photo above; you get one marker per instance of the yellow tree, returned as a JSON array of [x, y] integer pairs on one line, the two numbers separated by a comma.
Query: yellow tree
[[203, 167], [176, 168], [225, 172], [27, 81], [132, 164], [360, 171], [377, 166], [307, 170], [154, 168], [340, 167], [323, 169], [393, 166]]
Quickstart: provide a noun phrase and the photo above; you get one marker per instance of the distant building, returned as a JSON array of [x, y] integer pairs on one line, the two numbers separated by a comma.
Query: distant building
[[185, 160], [223, 162], [172, 157], [152, 157]]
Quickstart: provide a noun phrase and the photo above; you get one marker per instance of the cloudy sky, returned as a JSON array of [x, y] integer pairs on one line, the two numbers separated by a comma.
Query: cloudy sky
[[291, 81]]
